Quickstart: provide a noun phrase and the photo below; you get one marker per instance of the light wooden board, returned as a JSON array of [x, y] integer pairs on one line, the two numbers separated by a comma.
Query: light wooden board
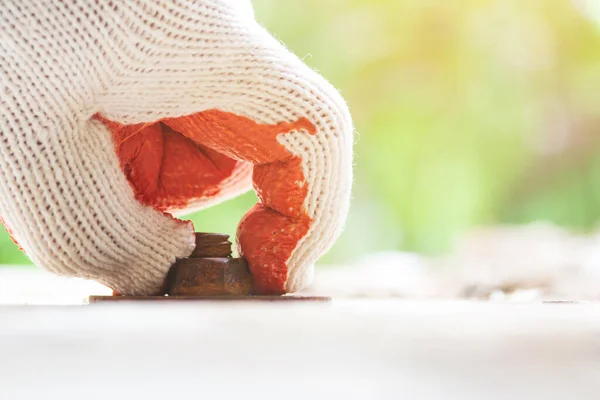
[[345, 349]]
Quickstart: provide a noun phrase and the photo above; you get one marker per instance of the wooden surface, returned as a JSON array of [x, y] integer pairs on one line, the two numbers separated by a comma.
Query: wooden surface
[[287, 351], [346, 349]]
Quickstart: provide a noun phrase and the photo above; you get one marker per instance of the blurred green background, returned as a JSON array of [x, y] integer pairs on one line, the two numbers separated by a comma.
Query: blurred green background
[[468, 113]]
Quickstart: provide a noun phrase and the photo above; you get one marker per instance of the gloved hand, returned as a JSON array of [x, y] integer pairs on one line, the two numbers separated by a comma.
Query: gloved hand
[[116, 115]]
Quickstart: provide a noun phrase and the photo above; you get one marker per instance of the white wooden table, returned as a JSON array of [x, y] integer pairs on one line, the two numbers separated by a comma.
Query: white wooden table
[[350, 349]]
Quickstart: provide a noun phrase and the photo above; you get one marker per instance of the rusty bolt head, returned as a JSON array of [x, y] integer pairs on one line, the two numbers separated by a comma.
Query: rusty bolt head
[[209, 277]]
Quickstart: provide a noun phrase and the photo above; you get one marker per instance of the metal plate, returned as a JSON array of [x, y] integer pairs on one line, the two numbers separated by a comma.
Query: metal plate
[[111, 299]]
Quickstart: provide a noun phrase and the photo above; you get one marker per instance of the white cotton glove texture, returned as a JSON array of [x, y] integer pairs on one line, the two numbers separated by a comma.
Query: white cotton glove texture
[[63, 195]]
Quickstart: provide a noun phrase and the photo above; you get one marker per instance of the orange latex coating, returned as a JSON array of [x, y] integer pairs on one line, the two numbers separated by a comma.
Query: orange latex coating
[[267, 239], [281, 186], [171, 162], [10, 233], [238, 137], [166, 169], [269, 233]]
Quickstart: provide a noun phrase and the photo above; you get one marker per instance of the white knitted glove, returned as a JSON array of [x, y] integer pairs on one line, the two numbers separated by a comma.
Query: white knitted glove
[[114, 113]]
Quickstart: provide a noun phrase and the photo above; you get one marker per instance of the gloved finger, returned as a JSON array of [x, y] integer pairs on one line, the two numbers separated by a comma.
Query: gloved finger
[[271, 231], [212, 74], [66, 202]]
